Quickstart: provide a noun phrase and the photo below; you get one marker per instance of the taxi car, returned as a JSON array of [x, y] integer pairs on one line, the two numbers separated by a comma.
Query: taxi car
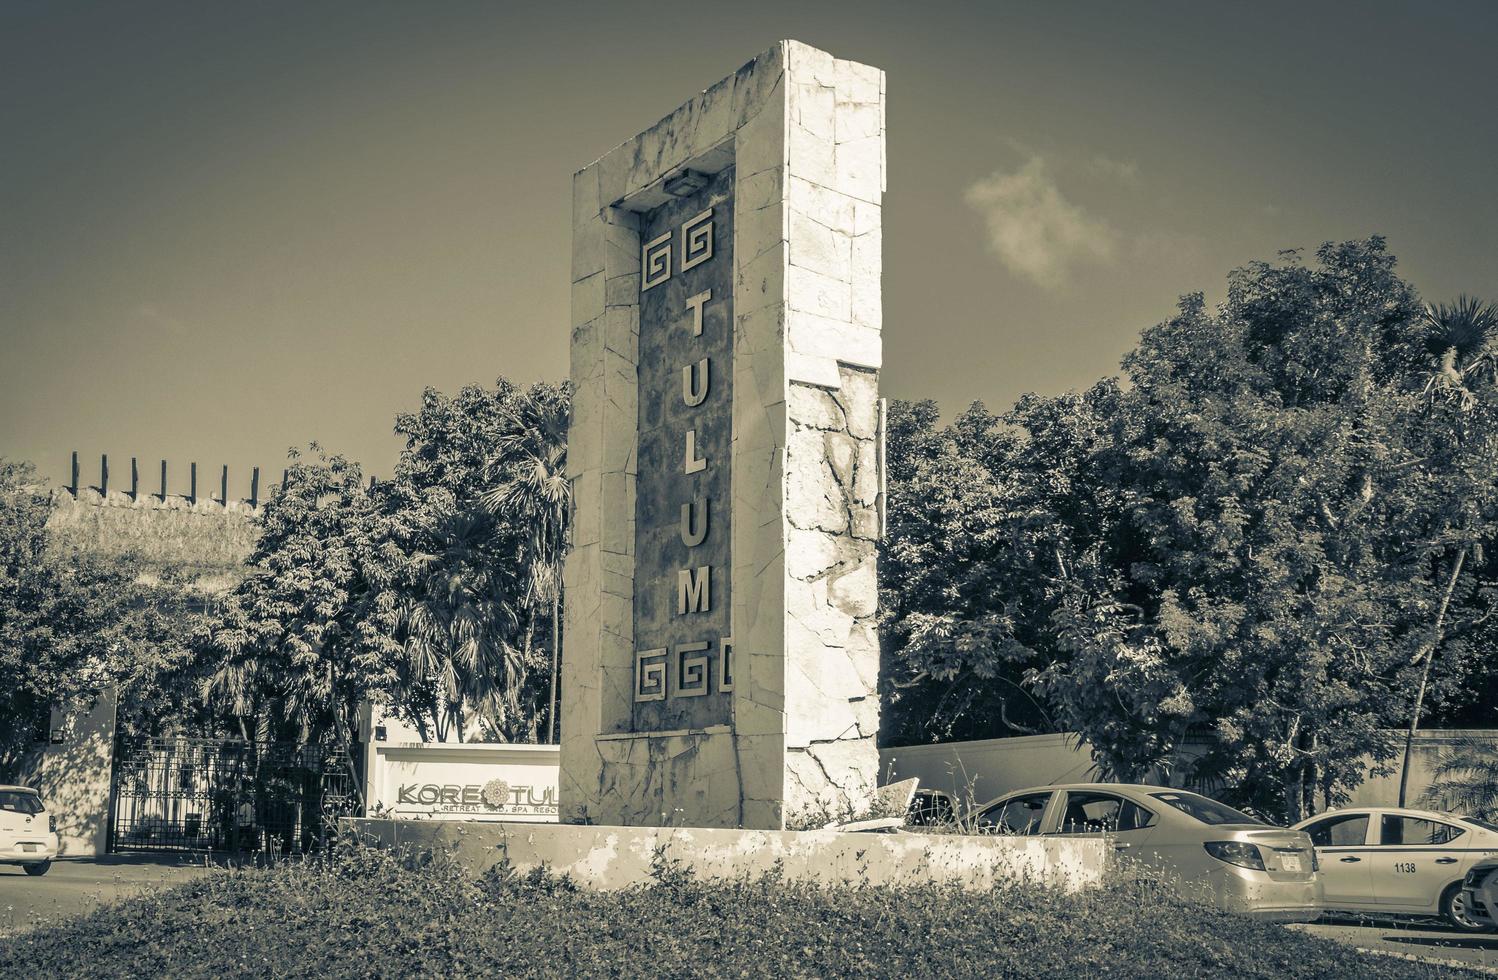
[[1400, 861], [1213, 851], [28, 834]]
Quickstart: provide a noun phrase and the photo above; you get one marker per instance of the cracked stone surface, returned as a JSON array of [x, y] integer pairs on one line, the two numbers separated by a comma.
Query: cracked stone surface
[[804, 133]]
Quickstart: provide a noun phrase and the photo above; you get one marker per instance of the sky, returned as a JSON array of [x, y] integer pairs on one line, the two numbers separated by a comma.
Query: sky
[[228, 229]]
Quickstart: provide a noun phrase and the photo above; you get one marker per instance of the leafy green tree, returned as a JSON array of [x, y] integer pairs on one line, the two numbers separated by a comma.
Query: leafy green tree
[[960, 601], [484, 467], [530, 489], [1461, 345], [1250, 539], [72, 625], [307, 636], [432, 592], [456, 618]]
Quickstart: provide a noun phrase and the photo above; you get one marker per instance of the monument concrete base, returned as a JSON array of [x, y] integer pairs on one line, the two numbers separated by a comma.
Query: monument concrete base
[[606, 858]]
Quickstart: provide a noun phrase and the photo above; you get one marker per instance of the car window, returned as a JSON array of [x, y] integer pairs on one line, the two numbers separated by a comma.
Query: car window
[[1343, 830], [1102, 813], [1481, 823], [1206, 810], [1412, 831], [1016, 815], [18, 802]]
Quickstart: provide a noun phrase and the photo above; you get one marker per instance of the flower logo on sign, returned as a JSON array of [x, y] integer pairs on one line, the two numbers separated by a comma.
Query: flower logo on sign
[[496, 793]]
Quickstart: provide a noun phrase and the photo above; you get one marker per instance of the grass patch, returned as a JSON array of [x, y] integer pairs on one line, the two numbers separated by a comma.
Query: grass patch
[[365, 913]]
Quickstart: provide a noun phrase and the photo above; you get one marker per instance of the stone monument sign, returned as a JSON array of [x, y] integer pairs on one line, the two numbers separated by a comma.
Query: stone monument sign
[[720, 653]]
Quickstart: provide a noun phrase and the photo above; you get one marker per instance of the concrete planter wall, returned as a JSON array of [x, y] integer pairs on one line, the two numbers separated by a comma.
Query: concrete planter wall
[[606, 858]]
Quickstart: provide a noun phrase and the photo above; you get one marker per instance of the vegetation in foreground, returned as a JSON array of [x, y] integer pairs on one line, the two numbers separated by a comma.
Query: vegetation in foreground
[[362, 913]]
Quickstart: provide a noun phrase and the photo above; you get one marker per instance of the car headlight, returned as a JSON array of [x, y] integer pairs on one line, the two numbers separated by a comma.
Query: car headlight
[[1237, 852]]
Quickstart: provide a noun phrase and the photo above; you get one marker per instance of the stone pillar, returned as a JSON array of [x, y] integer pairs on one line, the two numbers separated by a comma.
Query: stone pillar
[[764, 193]]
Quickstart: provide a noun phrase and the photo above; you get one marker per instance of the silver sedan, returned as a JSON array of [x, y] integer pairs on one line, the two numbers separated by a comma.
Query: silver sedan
[[1213, 851]]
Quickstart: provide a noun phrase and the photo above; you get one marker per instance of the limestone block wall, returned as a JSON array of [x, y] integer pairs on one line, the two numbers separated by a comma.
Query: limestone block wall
[[832, 643], [206, 540], [804, 133]]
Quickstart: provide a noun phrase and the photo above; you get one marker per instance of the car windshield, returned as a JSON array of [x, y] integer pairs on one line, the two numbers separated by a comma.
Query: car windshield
[[1481, 823], [17, 801], [1206, 810]]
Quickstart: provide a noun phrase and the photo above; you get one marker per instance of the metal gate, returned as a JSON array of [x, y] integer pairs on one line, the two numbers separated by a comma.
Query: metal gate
[[190, 794]]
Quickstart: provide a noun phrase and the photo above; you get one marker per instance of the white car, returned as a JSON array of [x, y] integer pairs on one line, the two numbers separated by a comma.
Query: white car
[[28, 834], [1399, 861]]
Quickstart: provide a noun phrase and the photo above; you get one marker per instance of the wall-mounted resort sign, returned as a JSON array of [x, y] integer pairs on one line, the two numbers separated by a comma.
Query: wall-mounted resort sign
[[464, 781], [683, 670]]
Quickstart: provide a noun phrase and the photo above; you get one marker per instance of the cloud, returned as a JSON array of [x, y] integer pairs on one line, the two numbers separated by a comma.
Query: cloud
[[1035, 231]]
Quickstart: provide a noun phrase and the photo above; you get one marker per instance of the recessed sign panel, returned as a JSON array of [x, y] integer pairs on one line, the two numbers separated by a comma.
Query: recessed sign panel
[[683, 672]]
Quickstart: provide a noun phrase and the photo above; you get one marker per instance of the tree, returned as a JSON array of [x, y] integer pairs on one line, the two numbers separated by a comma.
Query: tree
[[410, 591], [1466, 779], [455, 620], [70, 625], [531, 489], [1461, 345], [306, 638], [488, 461], [1246, 544], [958, 596]]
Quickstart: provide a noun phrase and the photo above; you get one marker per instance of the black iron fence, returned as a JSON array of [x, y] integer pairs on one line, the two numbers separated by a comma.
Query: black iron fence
[[189, 794]]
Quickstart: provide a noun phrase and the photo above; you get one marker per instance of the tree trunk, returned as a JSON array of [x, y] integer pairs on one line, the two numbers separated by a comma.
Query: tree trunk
[[551, 697], [346, 736], [1437, 634], [1308, 782]]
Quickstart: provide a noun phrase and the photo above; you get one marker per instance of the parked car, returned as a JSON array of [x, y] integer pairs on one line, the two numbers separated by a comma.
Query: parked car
[[1213, 851], [1480, 892], [1399, 861], [28, 833]]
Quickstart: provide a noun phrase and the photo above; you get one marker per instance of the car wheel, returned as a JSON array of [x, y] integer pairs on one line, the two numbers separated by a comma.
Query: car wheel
[[1454, 911], [39, 868]]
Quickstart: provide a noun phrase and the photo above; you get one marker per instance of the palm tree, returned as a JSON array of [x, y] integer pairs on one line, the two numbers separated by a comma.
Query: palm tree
[[531, 489], [1462, 342], [1466, 779], [1460, 339], [453, 626]]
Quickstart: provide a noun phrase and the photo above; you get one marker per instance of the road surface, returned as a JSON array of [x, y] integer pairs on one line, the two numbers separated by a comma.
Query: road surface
[[1422, 939], [75, 887]]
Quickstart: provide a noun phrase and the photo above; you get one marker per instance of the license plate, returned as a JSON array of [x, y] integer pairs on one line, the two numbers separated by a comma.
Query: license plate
[[1291, 862], [30, 848]]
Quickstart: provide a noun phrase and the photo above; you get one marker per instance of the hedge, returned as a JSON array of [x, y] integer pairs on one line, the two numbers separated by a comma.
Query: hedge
[[365, 913]]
